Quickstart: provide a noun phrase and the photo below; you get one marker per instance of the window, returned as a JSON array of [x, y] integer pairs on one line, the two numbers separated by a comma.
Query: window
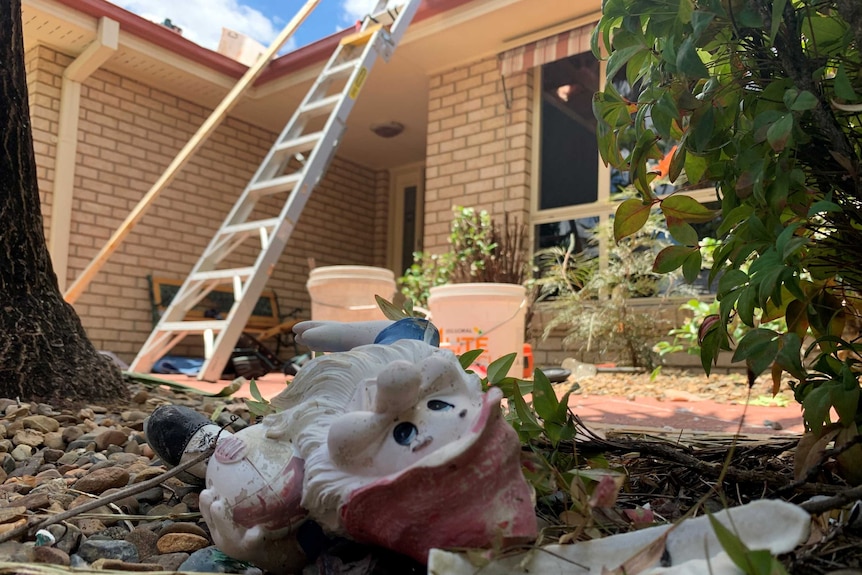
[[573, 186]]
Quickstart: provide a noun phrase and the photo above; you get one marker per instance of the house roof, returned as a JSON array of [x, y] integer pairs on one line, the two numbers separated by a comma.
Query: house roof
[[445, 34]]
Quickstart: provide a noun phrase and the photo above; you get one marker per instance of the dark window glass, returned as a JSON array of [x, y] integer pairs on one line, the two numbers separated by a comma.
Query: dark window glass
[[569, 166]]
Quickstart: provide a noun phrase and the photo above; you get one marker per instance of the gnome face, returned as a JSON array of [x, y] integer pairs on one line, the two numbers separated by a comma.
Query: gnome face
[[405, 414]]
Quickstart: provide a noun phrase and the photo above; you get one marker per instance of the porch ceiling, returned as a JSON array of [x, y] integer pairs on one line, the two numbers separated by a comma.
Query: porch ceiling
[[395, 91]]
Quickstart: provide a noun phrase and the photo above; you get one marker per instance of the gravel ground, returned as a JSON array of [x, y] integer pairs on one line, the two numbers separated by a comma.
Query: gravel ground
[[53, 460]]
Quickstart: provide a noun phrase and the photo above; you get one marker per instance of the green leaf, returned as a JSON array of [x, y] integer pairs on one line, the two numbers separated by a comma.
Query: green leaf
[[671, 257], [797, 101], [681, 231], [498, 368], [710, 346], [255, 392], [730, 281], [779, 133], [677, 162], [745, 305], [687, 209], [842, 86], [695, 168], [631, 216], [790, 355], [688, 61], [468, 358], [703, 129], [544, 399], [777, 18], [527, 422], [824, 206], [845, 399], [389, 309], [691, 266], [815, 407], [619, 57], [732, 545], [686, 9], [758, 348]]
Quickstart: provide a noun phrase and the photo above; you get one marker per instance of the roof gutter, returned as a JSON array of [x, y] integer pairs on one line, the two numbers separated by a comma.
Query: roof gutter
[[313, 53], [90, 60]]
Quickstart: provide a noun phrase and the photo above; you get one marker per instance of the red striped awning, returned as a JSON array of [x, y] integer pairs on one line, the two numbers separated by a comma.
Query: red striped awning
[[546, 50]]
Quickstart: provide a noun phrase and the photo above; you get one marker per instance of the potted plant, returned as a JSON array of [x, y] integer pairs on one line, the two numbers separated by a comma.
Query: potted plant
[[475, 291]]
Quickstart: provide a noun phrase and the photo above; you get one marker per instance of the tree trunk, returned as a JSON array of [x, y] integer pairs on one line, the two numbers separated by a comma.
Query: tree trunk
[[44, 351]]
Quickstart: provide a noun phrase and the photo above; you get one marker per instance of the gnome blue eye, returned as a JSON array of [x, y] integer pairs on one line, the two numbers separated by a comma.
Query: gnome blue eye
[[404, 433], [438, 405]]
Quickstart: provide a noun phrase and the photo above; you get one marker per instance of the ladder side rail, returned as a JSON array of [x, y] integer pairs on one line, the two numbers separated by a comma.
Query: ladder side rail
[[402, 21], [154, 348]]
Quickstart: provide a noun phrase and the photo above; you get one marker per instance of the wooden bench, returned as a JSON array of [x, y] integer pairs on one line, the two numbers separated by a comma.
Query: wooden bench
[[265, 321]]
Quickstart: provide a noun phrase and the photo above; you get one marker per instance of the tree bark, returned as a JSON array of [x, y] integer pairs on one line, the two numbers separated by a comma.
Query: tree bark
[[44, 352]]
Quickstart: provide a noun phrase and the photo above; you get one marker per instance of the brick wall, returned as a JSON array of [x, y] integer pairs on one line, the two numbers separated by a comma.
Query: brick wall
[[478, 151], [128, 134]]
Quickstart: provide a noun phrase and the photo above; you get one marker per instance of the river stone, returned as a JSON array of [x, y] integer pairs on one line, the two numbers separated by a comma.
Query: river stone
[[29, 437], [93, 549], [50, 555], [110, 437], [67, 539], [41, 423], [176, 542], [100, 480], [170, 561], [145, 541], [88, 525], [32, 501], [51, 455], [211, 560], [54, 440], [72, 433], [22, 452]]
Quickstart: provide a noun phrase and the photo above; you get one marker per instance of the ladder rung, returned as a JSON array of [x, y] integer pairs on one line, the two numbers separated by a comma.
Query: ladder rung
[[193, 326], [322, 106], [343, 69], [275, 185], [297, 145], [249, 226], [361, 38], [225, 274]]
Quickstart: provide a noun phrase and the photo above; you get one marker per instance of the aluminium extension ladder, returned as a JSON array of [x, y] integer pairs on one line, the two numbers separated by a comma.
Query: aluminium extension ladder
[[289, 172]]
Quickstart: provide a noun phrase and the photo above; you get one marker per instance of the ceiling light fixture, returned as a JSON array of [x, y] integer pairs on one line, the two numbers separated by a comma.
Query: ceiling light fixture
[[388, 129]]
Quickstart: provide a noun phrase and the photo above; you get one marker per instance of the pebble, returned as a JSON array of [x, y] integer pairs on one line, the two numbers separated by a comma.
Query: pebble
[[181, 542], [51, 555], [102, 479]]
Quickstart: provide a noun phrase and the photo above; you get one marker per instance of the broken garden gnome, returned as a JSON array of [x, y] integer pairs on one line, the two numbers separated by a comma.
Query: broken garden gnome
[[390, 443]]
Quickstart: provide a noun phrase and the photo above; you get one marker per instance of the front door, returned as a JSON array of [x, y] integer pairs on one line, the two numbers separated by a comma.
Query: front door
[[406, 209]]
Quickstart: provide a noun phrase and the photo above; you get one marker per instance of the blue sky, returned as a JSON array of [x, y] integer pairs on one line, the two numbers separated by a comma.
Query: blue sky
[[202, 20]]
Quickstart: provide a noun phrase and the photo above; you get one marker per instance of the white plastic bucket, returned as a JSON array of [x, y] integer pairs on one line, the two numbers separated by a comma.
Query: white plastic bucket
[[346, 293], [487, 316]]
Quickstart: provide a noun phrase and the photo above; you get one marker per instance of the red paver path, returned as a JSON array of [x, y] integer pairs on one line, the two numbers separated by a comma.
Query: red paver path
[[611, 411]]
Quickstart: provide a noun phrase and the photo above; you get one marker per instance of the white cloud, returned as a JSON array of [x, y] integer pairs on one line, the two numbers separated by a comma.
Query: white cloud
[[353, 10], [202, 20]]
